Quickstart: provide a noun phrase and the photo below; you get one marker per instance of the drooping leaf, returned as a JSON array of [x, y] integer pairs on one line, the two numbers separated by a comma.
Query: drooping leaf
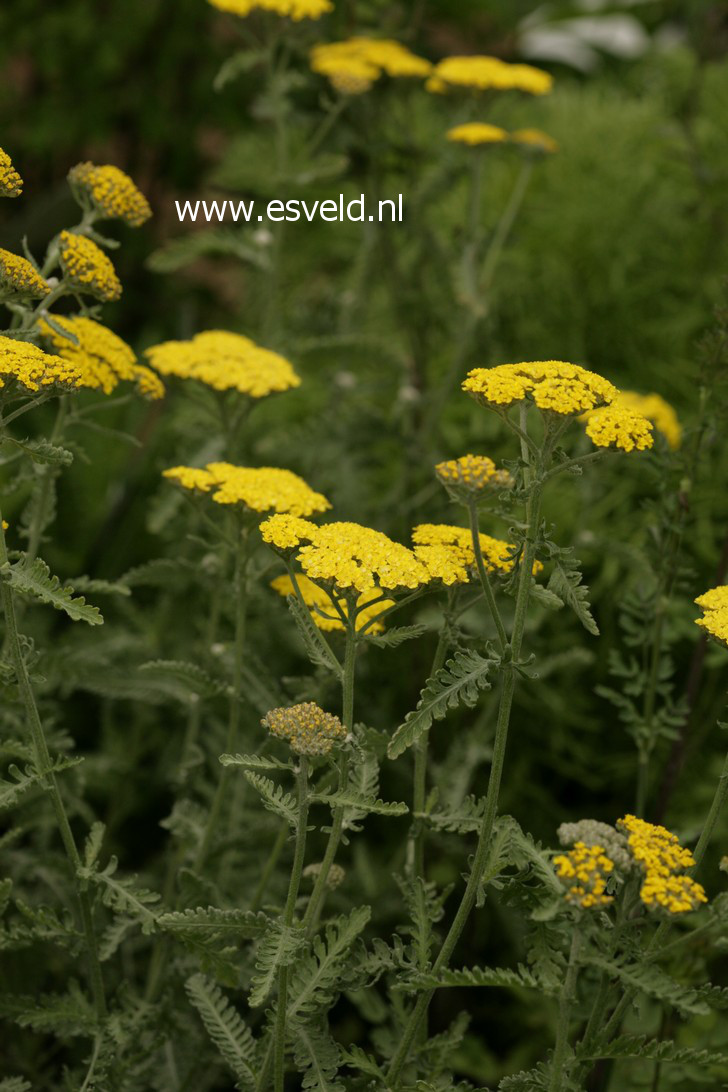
[[34, 578], [274, 798], [226, 1028]]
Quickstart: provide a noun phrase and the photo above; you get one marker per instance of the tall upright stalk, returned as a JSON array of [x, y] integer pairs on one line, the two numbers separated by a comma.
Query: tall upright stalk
[[337, 816], [279, 1047], [566, 999], [240, 586], [510, 658], [43, 765]]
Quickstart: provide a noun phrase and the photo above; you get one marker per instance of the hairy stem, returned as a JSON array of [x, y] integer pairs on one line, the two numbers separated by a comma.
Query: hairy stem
[[279, 1047], [416, 845], [43, 764], [484, 578]]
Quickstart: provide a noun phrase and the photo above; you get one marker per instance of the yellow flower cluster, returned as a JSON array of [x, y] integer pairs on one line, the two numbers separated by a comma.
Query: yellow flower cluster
[[586, 870], [225, 361], [87, 267], [306, 727], [447, 552], [102, 358], [471, 475], [715, 616], [260, 489], [352, 66], [346, 556], [657, 410], [324, 613], [19, 277], [664, 861], [480, 132], [110, 192], [33, 369], [566, 389], [11, 184], [617, 426], [486, 74], [293, 9]]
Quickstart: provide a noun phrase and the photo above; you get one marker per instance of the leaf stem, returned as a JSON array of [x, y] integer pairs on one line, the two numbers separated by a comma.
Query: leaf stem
[[484, 578]]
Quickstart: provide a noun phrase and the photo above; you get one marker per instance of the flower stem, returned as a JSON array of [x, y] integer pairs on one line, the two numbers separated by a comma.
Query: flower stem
[[416, 846], [480, 859], [337, 816], [240, 584], [566, 998], [484, 578], [279, 1048], [43, 765], [48, 475]]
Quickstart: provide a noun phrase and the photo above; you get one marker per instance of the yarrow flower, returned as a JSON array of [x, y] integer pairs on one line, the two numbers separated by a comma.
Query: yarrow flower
[[87, 267], [102, 358], [447, 553], [353, 65], [471, 476], [110, 193], [225, 361], [586, 870], [534, 140], [616, 426], [663, 861], [488, 73], [293, 9], [11, 184], [715, 613], [259, 489], [306, 727], [593, 833], [555, 386], [477, 132], [19, 277], [323, 610], [334, 879], [346, 556], [32, 368]]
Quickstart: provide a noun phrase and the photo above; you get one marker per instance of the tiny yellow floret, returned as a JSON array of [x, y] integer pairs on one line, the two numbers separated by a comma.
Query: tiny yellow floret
[[471, 476], [586, 870], [617, 426]]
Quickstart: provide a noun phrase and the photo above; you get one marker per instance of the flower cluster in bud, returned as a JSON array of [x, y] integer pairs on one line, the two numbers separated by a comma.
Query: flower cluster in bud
[[19, 277], [11, 184], [471, 477], [110, 193], [87, 268], [306, 728]]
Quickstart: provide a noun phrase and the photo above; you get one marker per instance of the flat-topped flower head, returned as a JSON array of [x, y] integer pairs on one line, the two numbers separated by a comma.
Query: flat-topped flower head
[[617, 426], [535, 141], [102, 358], [258, 489], [19, 277], [324, 612], [306, 728], [656, 409], [447, 553], [663, 861], [87, 268], [110, 193], [585, 871], [477, 132], [33, 369], [292, 9], [225, 361], [471, 477], [483, 73], [593, 833], [715, 613], [553, 385], [11, 184], [347, 556], [353, 65]]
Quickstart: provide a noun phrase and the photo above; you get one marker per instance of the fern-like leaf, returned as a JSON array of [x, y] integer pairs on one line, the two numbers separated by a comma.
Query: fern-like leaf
[[245, 924], [181, 680], [318, 1057], [255, 762], [366, 805], [34, 578], [42, 451], [475, 976], [274, 798], [396, 636], [316, 979], [459, 682], [565, 582], [278, 948], [656, 983], [659, 1050], [226, 1028], [317, 647]]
